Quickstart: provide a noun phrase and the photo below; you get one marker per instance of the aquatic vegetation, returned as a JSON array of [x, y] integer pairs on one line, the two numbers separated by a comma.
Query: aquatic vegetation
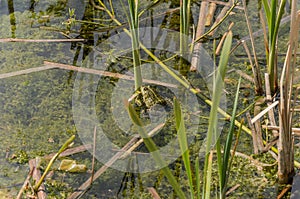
[[37, 115]]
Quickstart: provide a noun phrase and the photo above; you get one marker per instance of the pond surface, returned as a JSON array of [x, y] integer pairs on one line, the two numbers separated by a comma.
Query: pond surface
[[41, 110]]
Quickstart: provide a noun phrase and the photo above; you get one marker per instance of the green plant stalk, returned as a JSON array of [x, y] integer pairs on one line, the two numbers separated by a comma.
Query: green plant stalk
[[154, 150], [267, 9], [213, 117], [185, 7], [62, 149], [233, 155], [134, 25], [273, 20], [207, 179], [182, 138], [220, 165], [223, 175], [197, 173]]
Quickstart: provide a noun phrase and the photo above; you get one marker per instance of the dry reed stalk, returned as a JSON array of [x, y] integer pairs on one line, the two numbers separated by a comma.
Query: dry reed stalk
[[92, 2], [296, 131], [245, 76], [40, 40], [219, 47], [200, 31], [255, 70], [269, 103], [262, 113], [284, 191], [223, 3], [52, 65], [26, 71], [227, 11], [219, 18], [232, 189], [19, 196], [264, 30], [253, 134], [104, 73], [36, 175], [210, 14], [285, 144], [257, 124], [153, 193], [70, 151], [255, 67]]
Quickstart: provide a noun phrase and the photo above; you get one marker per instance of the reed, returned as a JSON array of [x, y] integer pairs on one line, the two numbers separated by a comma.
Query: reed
[[212, 134], [134, 33], [224, 163], [273, 15], [286, 104], [185, 6], [182, 138]]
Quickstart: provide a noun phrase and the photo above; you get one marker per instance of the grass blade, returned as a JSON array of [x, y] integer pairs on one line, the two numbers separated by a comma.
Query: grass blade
[[213, 117], [267, 9], [182, 138], [226, 154]]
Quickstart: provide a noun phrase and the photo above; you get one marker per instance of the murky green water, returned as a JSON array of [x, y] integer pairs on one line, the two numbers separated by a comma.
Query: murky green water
[[36, 108]]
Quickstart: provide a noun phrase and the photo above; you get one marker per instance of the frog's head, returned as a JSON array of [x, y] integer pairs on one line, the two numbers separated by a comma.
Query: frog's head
[[145, 89]]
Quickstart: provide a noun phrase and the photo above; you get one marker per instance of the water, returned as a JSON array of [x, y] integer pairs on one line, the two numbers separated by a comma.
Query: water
[[37, 109]]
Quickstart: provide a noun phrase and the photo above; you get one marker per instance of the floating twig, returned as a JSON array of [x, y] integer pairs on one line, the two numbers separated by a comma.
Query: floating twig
[[26, 71], [70, 151], [104, 73], [40, 40]]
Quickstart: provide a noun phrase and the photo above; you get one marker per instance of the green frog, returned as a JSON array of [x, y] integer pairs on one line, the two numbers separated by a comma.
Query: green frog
[[146, 98]]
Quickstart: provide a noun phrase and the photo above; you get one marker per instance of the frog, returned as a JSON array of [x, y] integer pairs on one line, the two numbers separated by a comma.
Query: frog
[[146, 98]]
